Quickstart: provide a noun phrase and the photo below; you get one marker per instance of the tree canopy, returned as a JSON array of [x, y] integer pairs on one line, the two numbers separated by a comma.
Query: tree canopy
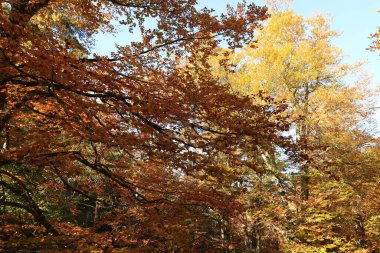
[[238, 132]]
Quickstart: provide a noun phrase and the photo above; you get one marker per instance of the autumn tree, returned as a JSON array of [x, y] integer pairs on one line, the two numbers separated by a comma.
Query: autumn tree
[[317, 201], [127, 151], [375, 40]]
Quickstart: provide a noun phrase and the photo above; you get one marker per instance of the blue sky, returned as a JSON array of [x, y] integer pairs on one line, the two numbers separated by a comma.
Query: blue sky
[[356, 20]]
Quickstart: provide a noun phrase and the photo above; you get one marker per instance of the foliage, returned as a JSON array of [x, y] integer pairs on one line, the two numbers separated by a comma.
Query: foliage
[[331, 105], [124, 152], [174, 144], [376, 40]]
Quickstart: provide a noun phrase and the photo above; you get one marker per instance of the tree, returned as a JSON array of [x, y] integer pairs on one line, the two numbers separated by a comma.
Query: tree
[[293, 61], [376, 40], [125, 152]]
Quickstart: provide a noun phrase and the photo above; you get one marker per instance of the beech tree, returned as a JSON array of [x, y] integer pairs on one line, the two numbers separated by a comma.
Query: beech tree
[[376, 40], [319, 200], [139, 150]]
